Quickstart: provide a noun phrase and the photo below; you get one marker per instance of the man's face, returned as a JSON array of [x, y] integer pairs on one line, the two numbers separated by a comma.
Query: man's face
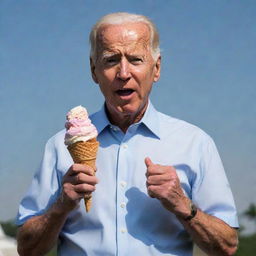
[[124, 67]]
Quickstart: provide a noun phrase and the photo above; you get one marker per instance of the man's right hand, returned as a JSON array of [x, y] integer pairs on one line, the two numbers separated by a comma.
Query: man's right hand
[[39, 234], [78, 182]]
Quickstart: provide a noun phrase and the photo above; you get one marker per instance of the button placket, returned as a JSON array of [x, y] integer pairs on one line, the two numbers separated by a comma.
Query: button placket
[[123, 184], [124, 146], [122, 171], [123, 230]]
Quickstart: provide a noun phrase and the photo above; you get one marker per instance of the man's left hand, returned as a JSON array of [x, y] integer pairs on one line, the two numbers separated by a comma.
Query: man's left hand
[[164, 184]]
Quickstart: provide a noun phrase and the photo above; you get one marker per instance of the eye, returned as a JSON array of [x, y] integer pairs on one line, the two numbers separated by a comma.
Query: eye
[[136, 60], [111, 60]]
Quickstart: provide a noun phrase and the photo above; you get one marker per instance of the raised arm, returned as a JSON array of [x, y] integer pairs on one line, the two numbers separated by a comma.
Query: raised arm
[[211, 234]]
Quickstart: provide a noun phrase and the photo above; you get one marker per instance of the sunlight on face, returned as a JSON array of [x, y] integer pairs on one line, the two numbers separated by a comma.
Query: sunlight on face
[[125, 69]]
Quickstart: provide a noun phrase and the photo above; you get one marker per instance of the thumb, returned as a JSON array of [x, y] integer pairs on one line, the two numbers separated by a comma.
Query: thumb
[[148, 162]]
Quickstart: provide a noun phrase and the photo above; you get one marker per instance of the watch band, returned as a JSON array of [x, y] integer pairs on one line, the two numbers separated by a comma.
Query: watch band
[[193, 211]]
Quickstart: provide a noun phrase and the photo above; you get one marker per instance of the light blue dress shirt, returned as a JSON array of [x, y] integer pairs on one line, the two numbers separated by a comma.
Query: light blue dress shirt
[[124, 220]]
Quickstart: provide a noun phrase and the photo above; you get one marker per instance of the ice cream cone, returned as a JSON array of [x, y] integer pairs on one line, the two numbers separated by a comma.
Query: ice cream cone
[[84, 152], [81, 141]]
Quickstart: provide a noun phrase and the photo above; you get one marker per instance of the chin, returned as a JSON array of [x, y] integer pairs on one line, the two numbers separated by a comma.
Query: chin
[[128, 109]]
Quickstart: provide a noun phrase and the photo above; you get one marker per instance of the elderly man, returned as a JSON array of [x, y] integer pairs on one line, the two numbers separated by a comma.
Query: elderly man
[[160, 184]]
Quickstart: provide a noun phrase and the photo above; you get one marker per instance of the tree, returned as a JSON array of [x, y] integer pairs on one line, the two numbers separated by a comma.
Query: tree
[[10, 229], [250, 213]]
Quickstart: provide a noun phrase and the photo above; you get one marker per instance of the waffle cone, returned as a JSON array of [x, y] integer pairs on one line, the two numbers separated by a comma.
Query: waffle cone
[[84, 152]]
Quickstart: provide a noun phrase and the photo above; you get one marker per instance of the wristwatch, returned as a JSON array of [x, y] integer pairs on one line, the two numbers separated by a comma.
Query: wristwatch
[[193, 211]]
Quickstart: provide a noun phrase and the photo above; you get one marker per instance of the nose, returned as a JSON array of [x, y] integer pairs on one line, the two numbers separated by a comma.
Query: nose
[[124, 70]]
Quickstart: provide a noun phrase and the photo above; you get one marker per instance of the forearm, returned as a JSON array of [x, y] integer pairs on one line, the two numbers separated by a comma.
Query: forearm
[[211, 234], [40, 233]]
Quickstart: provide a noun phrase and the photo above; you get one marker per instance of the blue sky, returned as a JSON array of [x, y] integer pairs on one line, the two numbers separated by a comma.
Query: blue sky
[[208, 79]]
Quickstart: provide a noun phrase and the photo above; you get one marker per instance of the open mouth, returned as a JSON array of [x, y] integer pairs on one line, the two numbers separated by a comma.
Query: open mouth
[[124, 92]]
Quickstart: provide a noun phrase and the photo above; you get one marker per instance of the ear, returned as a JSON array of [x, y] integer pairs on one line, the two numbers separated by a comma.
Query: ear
[[157, 69], [92, 65]]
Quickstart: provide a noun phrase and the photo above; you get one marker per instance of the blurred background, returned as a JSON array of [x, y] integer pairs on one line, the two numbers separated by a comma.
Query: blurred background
[[208, 79]]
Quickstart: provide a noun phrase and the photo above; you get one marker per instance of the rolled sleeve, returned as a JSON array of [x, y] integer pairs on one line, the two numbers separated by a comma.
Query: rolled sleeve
[[212, 192], [44, 189]]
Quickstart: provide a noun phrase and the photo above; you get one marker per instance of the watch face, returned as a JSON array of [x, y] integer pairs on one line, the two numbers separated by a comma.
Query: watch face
[[193, 212]]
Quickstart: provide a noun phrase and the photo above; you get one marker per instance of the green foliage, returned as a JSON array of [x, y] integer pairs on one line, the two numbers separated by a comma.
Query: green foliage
[[247, 246], [53, 252], [251, 212], [9, 228]]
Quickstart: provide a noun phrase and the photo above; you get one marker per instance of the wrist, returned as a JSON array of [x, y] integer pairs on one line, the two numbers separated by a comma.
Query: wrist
[[188, 211], [193, 212], [61, 207]]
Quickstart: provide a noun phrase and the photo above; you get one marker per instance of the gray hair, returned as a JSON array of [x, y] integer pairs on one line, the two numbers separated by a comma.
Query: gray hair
[[121, 18]]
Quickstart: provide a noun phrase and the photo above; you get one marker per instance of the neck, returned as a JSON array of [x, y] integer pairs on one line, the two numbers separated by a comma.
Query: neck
[[123, 120]]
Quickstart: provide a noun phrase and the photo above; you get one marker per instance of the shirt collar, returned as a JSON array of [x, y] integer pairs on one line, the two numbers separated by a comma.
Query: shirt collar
[[100, 119], [150, 120]]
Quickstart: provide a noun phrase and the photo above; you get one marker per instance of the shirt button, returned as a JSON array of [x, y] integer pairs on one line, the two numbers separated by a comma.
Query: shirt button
[[125, 146], [123, 230], [123, 184], [122, 205]]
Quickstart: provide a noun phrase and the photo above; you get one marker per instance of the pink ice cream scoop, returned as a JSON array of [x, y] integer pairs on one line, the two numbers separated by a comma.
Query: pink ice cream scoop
[[79, 126]]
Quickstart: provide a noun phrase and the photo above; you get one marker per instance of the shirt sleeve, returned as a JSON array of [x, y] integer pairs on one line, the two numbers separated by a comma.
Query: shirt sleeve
[[44, 189], [211, 191]]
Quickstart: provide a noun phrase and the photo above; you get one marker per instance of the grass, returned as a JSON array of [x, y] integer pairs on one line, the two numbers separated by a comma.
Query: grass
[[53, 252], [247, 246]]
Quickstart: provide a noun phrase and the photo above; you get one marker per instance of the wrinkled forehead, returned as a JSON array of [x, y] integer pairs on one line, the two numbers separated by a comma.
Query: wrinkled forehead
[[111, 35]]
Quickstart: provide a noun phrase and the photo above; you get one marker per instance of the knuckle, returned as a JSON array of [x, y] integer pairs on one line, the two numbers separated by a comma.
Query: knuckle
[[89, 170], [149, 180], [89, 188], [79, 177], [85, 186], [79, 188], [65, 186], [168, 177], [150, 189], [74, 168], [172, 175]]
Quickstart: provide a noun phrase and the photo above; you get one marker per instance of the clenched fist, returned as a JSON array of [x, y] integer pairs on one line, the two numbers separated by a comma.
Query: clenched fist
[[164, 184]]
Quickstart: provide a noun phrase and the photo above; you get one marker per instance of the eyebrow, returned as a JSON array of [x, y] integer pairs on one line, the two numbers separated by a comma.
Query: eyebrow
[[108, 55], [105, 55]]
